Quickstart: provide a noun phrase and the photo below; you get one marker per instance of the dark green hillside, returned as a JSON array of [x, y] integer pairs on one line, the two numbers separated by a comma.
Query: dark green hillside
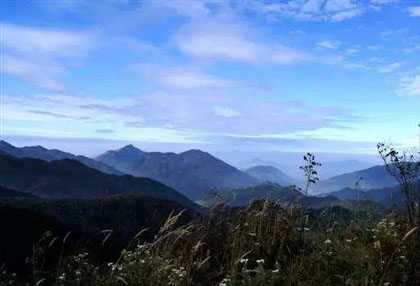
[[71, 179], [270, 191], [4, 193], [24, 220]]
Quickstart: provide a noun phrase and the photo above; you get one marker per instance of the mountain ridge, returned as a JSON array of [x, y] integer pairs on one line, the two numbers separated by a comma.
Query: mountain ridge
[[40, 152], [72, 179], [192, 172]]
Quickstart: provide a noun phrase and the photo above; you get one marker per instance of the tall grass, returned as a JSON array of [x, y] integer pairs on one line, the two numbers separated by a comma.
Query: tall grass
[[261, 244]]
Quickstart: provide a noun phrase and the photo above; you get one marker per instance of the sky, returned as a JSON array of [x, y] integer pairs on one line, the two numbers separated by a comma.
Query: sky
[[328, 76]]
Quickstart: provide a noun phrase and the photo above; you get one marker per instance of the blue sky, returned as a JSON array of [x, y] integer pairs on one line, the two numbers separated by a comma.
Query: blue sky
[[298, 75]]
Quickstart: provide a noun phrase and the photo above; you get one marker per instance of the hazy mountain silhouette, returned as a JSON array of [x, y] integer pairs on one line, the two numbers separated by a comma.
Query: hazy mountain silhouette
[[373, 178], [39, 152], [71, 179], [387, 197], [192, 172], [271, 192], [270, 174]]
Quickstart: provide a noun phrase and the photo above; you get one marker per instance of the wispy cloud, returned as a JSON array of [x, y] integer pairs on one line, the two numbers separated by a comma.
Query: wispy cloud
[[312, 10], [183, 77], [414, 11], [211, 113], [329, 44], [410, 85], [390, 67], [40, 55], [224, 39], [383, 2]]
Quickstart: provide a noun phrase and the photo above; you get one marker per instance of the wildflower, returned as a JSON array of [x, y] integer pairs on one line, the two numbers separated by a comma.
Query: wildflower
[[328, 241], [275, 270], [243, 261], [260, 261], [224, 282], [306, 229], [348, 240], [78, 273], [62, 277], [252, 234]]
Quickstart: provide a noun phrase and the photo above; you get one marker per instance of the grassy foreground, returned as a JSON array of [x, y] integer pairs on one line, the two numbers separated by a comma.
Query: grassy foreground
[[262, 244]]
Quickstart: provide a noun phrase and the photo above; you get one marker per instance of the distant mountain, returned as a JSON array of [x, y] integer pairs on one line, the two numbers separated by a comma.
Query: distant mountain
[[71, 179], [271, 192], [387, 197], [336, 168], [192, 172], [39, 152], [270, 174], [289, 163], [373, 178]]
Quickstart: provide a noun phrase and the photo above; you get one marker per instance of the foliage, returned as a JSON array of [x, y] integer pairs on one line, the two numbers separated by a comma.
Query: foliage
[[261, 244]]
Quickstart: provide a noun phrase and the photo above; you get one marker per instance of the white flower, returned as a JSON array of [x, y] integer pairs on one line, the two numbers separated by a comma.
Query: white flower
[[260, 261], [328, 241], [243, 261], [275, 270], [224, 282]]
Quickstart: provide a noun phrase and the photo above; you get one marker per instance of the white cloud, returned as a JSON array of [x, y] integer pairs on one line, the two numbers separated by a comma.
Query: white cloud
[[411, 85], [312, 10], [328, 45], [40, 55], [345, 15], [338, 5], [351, 51], [190, 79], [390, 67], [383, 2], [414, 11], [226, 111], [229, 41], [312, 6], [184, 77], [207, 112], [44, 42], [374, 47], [215, 40]]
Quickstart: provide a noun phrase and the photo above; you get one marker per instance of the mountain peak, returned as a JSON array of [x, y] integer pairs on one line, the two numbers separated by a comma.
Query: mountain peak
[[130, 148], [195, 152], [4, 143]]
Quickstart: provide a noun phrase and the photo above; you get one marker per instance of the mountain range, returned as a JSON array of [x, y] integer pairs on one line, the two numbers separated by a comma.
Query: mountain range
[[372, 178], [71, 179], [39, 152], [192, 172]]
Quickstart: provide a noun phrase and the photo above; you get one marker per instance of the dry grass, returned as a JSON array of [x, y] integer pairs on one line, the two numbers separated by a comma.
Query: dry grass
[[262, 244]]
